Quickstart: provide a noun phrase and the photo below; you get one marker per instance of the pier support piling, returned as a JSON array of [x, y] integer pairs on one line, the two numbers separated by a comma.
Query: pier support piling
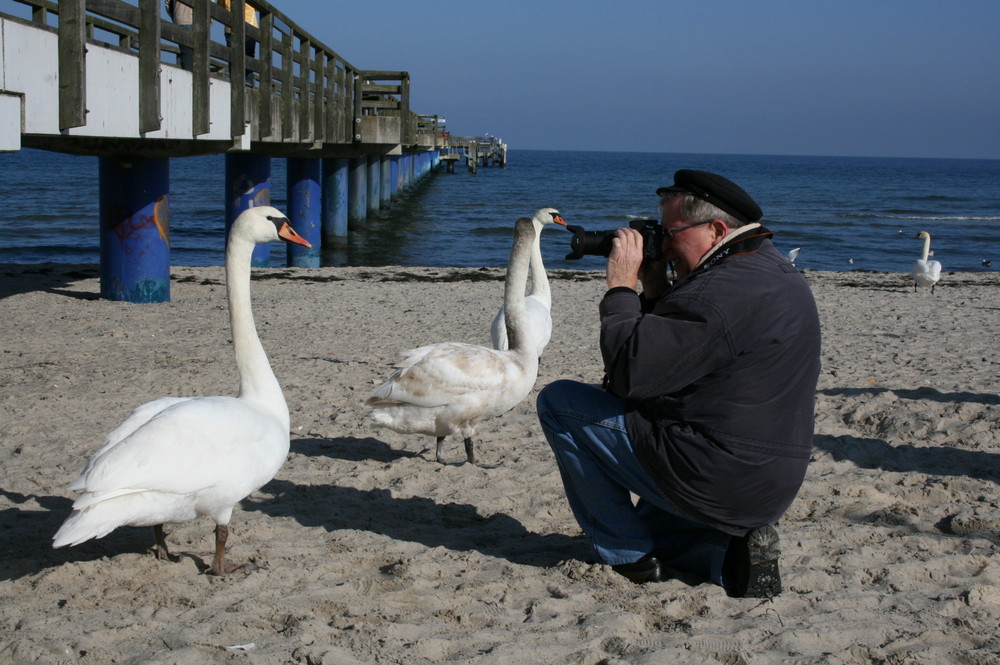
[[304, 211], [335, 190], [358, 195], [394, 177], [374, 185], [248, 184], [385, 190], [135, 229]]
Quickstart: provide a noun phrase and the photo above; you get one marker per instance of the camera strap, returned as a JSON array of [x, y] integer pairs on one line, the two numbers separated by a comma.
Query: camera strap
[[744, 240]]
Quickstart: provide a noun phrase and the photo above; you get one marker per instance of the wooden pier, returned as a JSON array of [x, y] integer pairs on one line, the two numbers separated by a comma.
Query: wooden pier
[[120, 80]]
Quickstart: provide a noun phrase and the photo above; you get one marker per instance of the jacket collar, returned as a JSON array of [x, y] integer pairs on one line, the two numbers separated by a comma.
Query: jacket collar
[[743, 240]]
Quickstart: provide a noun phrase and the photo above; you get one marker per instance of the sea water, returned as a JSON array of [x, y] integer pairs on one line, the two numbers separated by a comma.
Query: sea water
[[843, 213]]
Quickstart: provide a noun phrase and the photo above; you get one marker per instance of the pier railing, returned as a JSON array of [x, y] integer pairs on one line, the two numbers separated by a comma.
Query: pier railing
[[295, 94]]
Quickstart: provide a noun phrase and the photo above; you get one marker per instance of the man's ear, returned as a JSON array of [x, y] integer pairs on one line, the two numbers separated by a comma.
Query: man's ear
[[720, 229]]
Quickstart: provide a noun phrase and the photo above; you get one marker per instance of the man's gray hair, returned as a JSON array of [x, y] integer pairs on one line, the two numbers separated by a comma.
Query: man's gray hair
[[694, 209]]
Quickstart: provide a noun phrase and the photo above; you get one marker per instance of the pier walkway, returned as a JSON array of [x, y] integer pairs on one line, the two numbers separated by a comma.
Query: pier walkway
[[127, 82]]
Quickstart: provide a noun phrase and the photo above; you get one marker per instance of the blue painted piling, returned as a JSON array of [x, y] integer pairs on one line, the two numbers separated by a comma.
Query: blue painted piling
[[335, 189], [394, 177], [358, 195], [304, 210], [248, 184], [374, 184], [385, 190], [404, 168], [135, 228]]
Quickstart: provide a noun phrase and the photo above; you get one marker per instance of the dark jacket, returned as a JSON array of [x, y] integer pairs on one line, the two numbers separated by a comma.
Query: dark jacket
[[719, 379]]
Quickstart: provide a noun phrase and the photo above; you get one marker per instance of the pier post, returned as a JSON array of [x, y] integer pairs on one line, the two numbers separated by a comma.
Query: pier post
[[304, 210], [248, 184], [335, 188], [394, 177], [386, 187], [405, 168], [374, 184], [358, 197], [135, 228]]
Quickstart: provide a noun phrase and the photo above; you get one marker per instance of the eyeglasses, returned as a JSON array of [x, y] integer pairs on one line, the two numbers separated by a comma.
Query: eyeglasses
[[670, 233]]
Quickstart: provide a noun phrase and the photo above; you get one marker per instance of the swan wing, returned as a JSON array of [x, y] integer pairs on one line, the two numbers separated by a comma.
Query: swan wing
[[443, 373], [139, 417], [926, 273], [192, 445], [411, 357]]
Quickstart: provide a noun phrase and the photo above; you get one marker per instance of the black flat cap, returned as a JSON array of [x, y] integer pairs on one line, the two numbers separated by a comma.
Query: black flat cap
[[720, 192]]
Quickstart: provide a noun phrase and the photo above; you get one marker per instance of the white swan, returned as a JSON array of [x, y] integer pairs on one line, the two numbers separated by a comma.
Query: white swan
[[451, 387], [538, 304], [176, 458], [925, 273]]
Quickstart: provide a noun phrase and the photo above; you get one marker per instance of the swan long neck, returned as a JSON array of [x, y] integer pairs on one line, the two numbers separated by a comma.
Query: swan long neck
[[539, 280], [515, 314], [257, 381], [927, 248]]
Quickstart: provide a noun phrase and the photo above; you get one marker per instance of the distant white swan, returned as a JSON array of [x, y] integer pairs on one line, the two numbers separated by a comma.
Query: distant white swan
[[177, 458], [538, 304], [450, 387], [925, 273], [793, 254]]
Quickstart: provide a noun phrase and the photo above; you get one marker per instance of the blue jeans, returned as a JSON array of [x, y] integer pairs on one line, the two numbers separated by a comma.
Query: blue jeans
[[585, 426]]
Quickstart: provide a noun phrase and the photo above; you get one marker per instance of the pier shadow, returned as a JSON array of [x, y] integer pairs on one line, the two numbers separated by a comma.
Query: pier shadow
[[454, 526], [16, 279], [26, 536], [933, 461], [350, 449], [924, 393]]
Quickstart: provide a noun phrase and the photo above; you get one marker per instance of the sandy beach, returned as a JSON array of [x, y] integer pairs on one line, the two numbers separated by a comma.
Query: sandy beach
[[370, 552]]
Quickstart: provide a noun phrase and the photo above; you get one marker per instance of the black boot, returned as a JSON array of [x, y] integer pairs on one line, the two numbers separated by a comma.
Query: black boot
[[646, 569], [751, 567]]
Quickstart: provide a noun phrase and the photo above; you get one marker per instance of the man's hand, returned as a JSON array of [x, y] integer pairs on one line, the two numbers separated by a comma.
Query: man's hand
[[625, 259]]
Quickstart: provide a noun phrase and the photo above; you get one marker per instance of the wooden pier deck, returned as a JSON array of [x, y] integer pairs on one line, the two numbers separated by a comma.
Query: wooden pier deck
[[104, 77]]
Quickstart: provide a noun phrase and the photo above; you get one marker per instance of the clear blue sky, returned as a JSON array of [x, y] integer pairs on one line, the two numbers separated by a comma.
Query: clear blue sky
[[907, 78]]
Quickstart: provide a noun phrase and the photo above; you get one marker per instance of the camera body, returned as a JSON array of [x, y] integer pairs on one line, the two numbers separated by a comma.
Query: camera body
[[598, 243]]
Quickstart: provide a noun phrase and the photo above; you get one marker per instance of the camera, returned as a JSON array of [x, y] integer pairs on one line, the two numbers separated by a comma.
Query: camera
[[598, 243]]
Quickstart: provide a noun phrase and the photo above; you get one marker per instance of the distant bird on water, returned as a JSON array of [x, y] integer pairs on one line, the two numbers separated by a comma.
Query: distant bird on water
[[793, 254], [925, 272], [987, 263], [176, 458], [450, 387], [538, 303]]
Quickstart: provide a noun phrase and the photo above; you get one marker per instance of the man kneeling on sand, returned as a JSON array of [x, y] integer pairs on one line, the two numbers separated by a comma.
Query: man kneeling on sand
[[707, 412]]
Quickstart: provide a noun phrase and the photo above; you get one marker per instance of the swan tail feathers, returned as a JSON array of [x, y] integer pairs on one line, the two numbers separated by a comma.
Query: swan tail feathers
[[84, 525]]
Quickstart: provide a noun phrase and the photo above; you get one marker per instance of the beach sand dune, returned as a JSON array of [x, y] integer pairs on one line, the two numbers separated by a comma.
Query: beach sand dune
[[371, 552]]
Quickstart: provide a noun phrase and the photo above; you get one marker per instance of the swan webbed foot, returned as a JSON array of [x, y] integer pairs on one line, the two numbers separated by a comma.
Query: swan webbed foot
[[162, 552], [229, 569], [438, 451]]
